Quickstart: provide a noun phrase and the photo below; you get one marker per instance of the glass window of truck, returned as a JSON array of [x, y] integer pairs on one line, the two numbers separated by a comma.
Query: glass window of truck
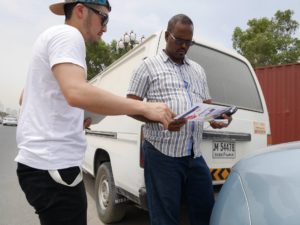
[[229, 79]]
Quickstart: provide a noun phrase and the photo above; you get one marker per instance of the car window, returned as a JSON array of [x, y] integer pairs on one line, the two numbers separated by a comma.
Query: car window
[[229, 79]]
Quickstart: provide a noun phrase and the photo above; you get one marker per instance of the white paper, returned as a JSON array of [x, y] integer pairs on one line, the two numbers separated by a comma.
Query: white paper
[[96, 118], [203, 112]]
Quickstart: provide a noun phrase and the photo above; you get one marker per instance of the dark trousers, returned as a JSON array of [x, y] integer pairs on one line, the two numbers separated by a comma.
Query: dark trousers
[[169, 180], [56, 204]]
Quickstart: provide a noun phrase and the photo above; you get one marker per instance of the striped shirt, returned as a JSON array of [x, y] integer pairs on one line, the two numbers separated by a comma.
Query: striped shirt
[[159, 79]]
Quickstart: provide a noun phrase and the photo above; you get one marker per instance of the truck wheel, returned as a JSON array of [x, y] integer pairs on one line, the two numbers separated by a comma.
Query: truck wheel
[[108, 210]]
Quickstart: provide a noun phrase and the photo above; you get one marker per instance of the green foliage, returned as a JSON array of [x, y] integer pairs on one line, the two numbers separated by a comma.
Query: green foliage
[[269, 42], [100, 55], [3, 114], [97, 58]]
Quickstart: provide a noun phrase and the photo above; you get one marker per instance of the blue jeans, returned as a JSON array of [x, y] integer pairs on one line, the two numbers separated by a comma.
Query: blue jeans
[[169, 180]]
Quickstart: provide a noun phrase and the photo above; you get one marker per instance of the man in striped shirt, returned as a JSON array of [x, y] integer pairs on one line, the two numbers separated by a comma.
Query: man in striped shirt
[[174, 167]]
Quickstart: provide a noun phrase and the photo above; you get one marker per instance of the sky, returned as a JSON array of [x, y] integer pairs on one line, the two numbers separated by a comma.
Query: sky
[[214, 20]]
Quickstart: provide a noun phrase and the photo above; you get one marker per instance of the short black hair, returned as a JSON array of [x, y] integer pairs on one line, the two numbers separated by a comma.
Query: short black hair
[[68, 9], [184, 19]]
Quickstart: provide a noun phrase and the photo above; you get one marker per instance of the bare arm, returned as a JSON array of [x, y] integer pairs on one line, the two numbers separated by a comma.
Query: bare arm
[[138, 117], [174, 125], [81, 94]]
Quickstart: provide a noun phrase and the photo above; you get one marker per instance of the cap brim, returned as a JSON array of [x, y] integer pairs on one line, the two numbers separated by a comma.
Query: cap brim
[[57, 8]]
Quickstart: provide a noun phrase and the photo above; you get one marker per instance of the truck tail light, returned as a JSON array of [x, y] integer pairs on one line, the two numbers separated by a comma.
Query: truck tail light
[[141, 148]]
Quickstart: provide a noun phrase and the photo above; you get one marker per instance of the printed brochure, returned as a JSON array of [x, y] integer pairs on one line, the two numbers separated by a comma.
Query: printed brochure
[[206, 112]]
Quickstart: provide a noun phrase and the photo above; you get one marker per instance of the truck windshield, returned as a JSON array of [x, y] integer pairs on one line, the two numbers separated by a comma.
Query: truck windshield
[[229, 79]]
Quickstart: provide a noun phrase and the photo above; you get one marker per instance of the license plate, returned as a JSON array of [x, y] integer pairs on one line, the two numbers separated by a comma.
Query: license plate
[[223, 150]]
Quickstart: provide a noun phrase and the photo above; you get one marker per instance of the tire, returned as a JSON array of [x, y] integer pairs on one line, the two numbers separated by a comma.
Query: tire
[[108, 210]]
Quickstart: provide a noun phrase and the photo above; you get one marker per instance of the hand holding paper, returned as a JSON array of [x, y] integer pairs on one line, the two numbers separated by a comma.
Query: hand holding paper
[[176, 124]]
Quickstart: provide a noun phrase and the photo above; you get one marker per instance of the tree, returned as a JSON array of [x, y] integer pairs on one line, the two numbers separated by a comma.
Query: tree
[[3, 114], [100, 55], [116, 52], [269, 42]]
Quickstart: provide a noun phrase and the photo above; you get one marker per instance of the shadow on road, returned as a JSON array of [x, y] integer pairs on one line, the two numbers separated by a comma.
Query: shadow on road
[[134, 215]]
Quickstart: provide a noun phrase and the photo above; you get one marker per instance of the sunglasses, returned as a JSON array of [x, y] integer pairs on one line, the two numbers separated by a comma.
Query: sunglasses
[[104, 17], [179, 41]]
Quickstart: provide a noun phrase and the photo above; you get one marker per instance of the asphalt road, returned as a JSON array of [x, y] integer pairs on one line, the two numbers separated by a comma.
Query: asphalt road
[[14, 209]]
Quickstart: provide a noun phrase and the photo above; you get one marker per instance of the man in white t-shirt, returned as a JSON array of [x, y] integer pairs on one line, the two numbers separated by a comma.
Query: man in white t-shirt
[[50, 138]]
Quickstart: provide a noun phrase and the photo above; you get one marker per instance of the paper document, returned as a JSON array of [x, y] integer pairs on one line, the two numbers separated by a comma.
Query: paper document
[[206, 112], [96, 118]]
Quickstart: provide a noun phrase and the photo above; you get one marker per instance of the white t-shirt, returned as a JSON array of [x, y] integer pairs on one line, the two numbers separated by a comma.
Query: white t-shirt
[[50, 132]]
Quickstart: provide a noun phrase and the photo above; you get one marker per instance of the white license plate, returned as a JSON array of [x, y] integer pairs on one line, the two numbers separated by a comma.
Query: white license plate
[[223, 150]]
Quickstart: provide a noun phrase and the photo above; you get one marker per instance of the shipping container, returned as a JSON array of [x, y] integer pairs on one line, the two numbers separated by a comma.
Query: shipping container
[[281, 88]]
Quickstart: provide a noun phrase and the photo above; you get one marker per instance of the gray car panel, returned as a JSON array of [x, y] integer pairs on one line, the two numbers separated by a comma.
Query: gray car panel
[[231, 207], [268, 184]]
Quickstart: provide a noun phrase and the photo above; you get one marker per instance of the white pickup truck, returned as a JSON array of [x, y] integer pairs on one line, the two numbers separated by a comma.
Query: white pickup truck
[[114, 155]]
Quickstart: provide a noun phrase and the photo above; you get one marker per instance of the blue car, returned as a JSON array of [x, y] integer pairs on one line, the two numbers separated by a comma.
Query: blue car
[[262, 189]]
